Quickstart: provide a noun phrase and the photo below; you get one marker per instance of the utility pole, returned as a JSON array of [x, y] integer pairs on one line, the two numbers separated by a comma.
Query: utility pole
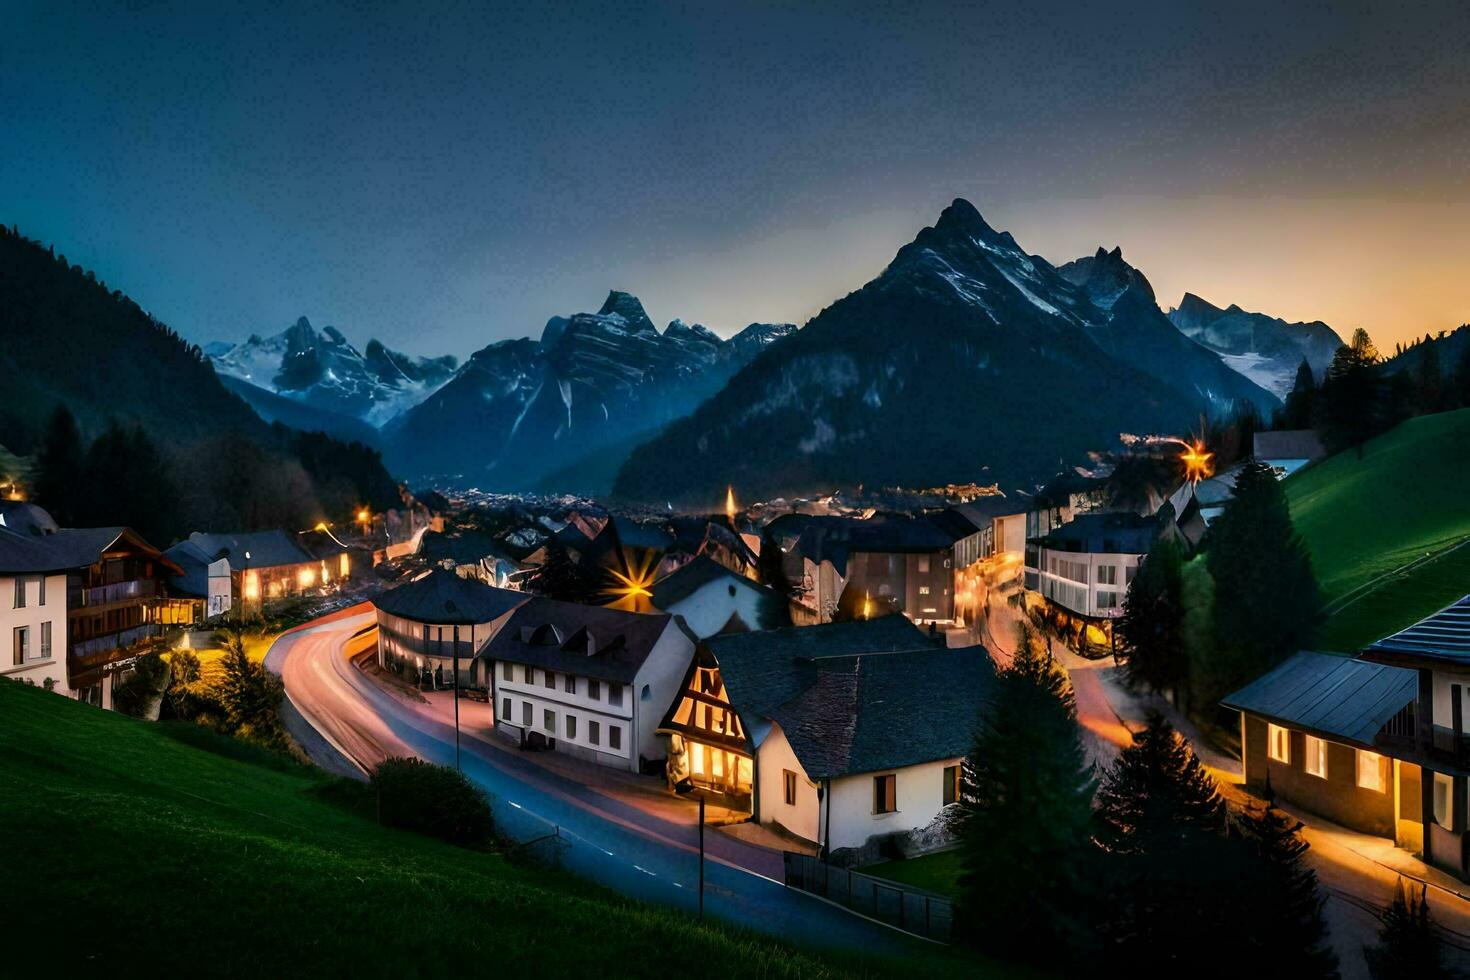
[[701, 857]]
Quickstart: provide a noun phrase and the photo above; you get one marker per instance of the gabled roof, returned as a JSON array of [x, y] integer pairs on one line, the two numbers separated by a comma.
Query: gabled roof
[[835, 539], [1104, 533], [69, 548], [1444, 636], [444, 598], [462, 548], [694, 575], [1329, 696], [251, 549], [195, 565], [21, 517], [592, 641], [1288, 444], [857, 697]]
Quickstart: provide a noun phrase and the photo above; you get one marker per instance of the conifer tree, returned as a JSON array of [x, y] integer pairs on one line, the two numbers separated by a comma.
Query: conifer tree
[[1026, 828], [1301, 401], [1350, 401], [1290, 932], [1150, 631], [1428, 383], [59, 468], [1407, 948], [1267, 604]]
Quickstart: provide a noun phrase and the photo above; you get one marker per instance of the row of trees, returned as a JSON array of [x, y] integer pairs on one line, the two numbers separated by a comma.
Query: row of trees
[[1154, 875], [1358, 398], [225, 482]]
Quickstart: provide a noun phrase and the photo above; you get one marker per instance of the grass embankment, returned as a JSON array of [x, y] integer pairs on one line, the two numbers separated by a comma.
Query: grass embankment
[[938, 872], [165, 850], [1365, 516], [257, 645]]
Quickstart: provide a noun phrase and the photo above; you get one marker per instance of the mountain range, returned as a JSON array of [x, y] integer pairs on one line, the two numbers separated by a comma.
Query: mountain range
[[321, 370], [563, 411], [1266, 349], [967, 358]]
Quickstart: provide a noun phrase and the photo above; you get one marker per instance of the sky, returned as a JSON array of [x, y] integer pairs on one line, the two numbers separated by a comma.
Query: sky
[[444, 176]]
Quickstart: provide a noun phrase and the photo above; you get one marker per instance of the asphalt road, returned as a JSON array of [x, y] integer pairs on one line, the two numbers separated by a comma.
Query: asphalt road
[[632, 854]]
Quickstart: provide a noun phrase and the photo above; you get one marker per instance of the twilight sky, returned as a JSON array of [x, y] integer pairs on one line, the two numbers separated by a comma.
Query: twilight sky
[[442, 181]]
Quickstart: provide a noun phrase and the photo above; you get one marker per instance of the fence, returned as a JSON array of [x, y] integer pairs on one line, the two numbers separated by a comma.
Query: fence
[[914, 910]]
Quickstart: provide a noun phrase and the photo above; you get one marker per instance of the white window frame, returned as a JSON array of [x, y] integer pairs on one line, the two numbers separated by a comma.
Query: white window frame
[[1278, 738], [1370, 771], [1443, 800], [1320, 745]]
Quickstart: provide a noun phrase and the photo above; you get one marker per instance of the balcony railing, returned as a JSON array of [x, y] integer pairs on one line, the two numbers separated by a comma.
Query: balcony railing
[[115, 641], [104, 595]]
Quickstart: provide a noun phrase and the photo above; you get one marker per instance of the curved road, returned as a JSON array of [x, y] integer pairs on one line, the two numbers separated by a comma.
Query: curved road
[[628, 850]]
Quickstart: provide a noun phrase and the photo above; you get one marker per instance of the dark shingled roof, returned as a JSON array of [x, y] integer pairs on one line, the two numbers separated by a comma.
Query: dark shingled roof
[[1442, 636], [1106, 533], [592, 641], [67, 549], [857, 697], [251, 549], [1328, 696], [463, 548], [443, 598], [195, 564], [835, 539], [694, 575]]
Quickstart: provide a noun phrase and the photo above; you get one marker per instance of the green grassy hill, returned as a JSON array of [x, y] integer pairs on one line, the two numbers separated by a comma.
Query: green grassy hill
[[1366, 515], [165, 850]]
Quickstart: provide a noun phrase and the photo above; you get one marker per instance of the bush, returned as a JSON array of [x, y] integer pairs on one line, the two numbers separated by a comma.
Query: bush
[[433, 800]]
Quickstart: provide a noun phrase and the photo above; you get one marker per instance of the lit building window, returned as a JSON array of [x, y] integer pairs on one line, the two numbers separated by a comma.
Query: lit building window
[[1315, 761], [1278, 743], [1444, 800], [1370, 771], [342, 565]]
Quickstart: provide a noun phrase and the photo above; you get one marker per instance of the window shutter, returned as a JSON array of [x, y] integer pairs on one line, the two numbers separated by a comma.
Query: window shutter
[[890, 784]]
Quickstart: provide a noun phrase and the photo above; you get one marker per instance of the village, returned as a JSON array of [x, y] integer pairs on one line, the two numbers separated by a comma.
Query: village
[[806, 678]]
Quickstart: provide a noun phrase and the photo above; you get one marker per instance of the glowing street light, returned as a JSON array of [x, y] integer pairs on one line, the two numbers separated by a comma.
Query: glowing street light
[[1198, 464], [730, 504]]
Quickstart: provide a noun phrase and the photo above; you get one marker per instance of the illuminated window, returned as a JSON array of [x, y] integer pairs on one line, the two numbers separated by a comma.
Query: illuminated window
[[923, 590], [1278, 743], [788, 778], [696, 758], [342, 565], [923, 563], [1315, 761], [885, 792], [951, 784], [1370, 772], [1444, 801]]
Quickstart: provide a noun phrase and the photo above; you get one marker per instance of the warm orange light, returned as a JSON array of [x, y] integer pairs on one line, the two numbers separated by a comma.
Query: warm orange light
[[1198, 464], [730, 503], [363, 516], [307, 577], [252, 586], [631, 588], [867, 606], [342, 565]]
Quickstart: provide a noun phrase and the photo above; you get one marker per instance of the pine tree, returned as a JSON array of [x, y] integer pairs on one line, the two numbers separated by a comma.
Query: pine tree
[[249, 693], [1290, 932], [1267, 604], [59, 468], [1428, 382], [1459, 393], [1407, 947], [1301, 401], [1174, 877], [1350, 401], [1150, 631], [1026, 829]]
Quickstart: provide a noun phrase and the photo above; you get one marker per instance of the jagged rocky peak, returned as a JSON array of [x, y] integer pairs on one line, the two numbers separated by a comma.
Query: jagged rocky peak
[[627, 306], [962, 217], [1105, 276]]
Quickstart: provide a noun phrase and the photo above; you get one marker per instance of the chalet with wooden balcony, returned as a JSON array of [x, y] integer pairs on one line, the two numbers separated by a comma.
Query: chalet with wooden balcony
[[82, 604]]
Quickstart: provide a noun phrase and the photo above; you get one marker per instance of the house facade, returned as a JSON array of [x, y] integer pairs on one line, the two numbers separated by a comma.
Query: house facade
[[1084, 567], [711, 598], [588, 681], [78, 605], [438, 621], [807, 728], [243, 571]]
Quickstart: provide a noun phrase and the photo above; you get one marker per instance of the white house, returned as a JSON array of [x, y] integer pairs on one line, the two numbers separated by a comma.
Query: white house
[[1086, 565], [420, 624], [837, 733], [589, 681], [713, 599]]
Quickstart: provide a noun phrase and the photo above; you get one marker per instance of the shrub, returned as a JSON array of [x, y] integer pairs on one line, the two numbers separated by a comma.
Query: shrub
[[433, 800]]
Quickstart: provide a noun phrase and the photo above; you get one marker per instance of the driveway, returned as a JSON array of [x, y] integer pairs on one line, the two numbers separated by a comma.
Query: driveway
[[644, 855]]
